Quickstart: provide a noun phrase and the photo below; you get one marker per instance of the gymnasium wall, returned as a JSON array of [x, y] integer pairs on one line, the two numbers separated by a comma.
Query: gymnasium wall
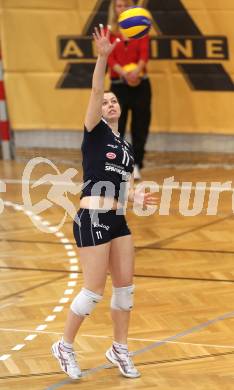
[[49, 58]]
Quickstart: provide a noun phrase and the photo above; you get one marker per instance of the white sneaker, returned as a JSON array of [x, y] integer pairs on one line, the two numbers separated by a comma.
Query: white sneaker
[[67, 361], [136, 173], [124, 362]]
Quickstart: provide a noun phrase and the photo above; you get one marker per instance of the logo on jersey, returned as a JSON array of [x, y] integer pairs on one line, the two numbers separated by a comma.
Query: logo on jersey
[[113, 146], [111, 156]]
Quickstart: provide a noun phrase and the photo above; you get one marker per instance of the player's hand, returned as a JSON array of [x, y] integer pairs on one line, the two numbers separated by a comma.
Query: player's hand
[[133, 82], [146, 198], [133, 77], [102, 40], [134, 74], [151, 200]]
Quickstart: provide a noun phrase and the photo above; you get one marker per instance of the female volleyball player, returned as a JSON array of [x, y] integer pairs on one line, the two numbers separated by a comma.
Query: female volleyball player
[[104, 239], [132, 88]]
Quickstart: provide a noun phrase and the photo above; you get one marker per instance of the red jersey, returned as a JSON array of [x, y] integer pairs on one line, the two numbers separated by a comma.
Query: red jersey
[[126, 52]]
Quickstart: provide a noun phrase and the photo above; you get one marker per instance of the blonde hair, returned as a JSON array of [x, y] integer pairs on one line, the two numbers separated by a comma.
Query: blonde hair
[[112, 16]]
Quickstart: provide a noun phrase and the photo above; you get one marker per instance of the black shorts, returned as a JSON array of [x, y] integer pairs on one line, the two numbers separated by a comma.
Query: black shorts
[[91, 228]]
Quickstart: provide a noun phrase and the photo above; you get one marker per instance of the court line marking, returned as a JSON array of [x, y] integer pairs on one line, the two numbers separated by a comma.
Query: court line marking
[[26, 290], [110, 337], [146, 363], [34, 333], [169, 342], [185, 278], [168, 240], [156, 344], [208, 251], [189, 166], [6, 305]]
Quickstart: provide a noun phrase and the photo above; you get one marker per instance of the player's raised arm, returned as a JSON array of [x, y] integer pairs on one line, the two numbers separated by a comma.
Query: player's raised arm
[[104, 48]]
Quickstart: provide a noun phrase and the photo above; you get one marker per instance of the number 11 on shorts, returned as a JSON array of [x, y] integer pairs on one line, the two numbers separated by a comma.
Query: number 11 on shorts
[[99, 235]]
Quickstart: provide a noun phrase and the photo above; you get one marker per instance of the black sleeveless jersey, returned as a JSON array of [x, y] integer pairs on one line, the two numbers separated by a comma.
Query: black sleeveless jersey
[[106, 158]]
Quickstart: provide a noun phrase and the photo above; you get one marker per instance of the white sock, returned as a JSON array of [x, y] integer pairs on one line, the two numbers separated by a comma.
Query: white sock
[[120, 348], [66, 346]]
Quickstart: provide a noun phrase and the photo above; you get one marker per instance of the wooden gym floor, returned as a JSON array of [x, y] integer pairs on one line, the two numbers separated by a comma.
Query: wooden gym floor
[[184, 280]]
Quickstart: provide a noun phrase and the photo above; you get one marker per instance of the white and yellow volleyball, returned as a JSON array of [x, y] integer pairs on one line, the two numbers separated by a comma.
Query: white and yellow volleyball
[[135, 22]]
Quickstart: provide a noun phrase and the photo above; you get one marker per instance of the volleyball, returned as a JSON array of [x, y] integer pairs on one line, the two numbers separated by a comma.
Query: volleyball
[[135, 22]]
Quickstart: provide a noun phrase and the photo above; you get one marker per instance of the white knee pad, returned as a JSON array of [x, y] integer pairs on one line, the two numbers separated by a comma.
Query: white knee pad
[[122, 298], [85, 302]]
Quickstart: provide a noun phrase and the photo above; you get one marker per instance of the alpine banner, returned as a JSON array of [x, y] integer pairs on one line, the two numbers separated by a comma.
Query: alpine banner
[[49, 57]]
